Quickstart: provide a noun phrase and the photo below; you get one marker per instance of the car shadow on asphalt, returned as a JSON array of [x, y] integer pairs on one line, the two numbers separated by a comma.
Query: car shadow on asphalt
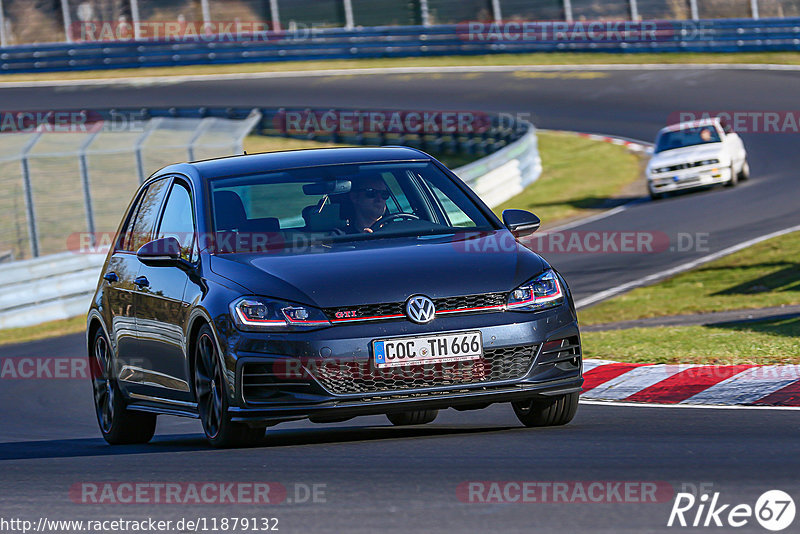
[[84, 447]]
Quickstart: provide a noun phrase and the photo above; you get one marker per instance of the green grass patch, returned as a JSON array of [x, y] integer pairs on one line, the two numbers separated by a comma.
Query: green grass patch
[[25, 334], [764, 342], [766, 274], [579, 176], [556, 58]]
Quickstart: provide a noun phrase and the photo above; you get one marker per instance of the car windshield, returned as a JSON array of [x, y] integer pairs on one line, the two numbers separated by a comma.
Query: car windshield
[[339, 203], [699, 135]]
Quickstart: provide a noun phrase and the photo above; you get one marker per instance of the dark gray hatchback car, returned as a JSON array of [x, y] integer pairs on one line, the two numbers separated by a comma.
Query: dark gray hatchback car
[[324, 285]]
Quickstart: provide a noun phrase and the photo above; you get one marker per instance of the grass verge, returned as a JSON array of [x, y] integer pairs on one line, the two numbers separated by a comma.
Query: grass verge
[[764, 342], [579, 177], [764, 275], [555, 58], [63, 327]]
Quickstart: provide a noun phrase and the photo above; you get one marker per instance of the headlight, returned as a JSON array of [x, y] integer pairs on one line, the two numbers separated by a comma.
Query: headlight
[[541, 293], [264, 314], [708, 162]]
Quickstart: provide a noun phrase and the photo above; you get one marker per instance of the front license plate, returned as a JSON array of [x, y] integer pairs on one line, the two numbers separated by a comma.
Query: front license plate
[[428, 349]]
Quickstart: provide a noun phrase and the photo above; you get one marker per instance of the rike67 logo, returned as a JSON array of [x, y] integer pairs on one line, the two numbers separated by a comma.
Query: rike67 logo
[[774, 510]]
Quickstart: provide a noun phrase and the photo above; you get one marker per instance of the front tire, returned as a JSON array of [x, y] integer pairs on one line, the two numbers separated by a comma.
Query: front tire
[[212, 398], [416, 417], [118, 425], [554, 411], [744, 174], [734, 178]]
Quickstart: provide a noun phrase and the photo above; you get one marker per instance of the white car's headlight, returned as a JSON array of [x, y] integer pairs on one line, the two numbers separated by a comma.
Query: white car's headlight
[[541, 293], [265, 314], [713, 161]]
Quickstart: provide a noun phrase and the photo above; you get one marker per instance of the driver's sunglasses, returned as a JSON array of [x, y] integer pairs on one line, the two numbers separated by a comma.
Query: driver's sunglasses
[[369, 192]]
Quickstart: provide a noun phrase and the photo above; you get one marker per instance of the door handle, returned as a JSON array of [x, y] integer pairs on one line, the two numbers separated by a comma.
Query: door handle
[[111, 277], [142, 281]]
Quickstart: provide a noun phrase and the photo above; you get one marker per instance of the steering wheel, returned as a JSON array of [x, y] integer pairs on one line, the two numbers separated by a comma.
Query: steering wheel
[[393, 217]]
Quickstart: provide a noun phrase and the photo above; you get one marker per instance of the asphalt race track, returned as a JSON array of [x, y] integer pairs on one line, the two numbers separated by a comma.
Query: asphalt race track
[[380, 478]]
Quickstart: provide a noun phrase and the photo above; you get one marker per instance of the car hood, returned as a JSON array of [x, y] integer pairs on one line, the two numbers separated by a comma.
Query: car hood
[[686, 154], [386, 270]]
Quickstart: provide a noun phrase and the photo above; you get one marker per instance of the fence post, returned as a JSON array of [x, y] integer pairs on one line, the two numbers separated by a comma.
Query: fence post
[[3, 41], [206, 13], [424, 13], [568, 10], [348, 14], [693, 6], [202, 127], [152, 125], [634, 10], [498, 14], [87, 192], [137, 31], [67, 16], [754, 8], [275, 15], [33, 231]]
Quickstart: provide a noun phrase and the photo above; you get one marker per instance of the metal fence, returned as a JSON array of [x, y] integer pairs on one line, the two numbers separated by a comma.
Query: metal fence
[[66, 177], [58, 286], [39, 21]]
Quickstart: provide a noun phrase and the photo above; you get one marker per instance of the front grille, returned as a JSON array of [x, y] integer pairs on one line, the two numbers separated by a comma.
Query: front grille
[[270, 381], [393, 309], [682, 166], [363, 377]]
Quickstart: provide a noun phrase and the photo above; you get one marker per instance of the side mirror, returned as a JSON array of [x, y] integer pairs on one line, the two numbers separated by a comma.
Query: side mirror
[[521, 222], [161, 252]]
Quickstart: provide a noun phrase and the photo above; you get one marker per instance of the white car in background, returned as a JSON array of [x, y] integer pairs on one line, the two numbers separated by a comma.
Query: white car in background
[[696, 154]]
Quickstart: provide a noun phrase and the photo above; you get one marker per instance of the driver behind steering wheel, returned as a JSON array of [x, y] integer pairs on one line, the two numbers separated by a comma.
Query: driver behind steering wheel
[[367, 204]]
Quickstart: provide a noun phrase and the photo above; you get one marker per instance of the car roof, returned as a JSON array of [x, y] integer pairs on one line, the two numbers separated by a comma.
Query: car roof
[[293, 159], [709, 121]]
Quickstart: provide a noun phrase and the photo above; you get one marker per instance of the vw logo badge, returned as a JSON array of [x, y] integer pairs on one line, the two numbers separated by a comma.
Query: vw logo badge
[[420, 309]]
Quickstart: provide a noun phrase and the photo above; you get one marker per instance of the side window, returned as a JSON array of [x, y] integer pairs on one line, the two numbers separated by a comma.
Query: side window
[[126, 234], [455, 215], [398, 202], [147, 214], [178, 220]]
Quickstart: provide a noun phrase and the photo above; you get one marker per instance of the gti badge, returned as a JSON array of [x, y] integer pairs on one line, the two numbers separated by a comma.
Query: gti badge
[[420, 309]]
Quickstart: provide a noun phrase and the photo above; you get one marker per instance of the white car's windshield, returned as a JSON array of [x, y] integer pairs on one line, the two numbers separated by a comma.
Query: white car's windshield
[[699, 135]]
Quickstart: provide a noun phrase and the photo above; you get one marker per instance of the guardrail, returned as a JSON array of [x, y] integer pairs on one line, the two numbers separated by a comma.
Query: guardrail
[[717, 35], [59, 286], [44, 289]]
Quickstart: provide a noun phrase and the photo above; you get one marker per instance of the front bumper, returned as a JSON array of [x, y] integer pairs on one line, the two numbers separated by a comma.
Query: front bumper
[[688, 179], [264, 392]]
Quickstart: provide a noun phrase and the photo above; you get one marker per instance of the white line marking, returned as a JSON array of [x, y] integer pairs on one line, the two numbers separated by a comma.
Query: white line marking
[[596, 217], [151, 80], [622, 288], [700, 406]]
